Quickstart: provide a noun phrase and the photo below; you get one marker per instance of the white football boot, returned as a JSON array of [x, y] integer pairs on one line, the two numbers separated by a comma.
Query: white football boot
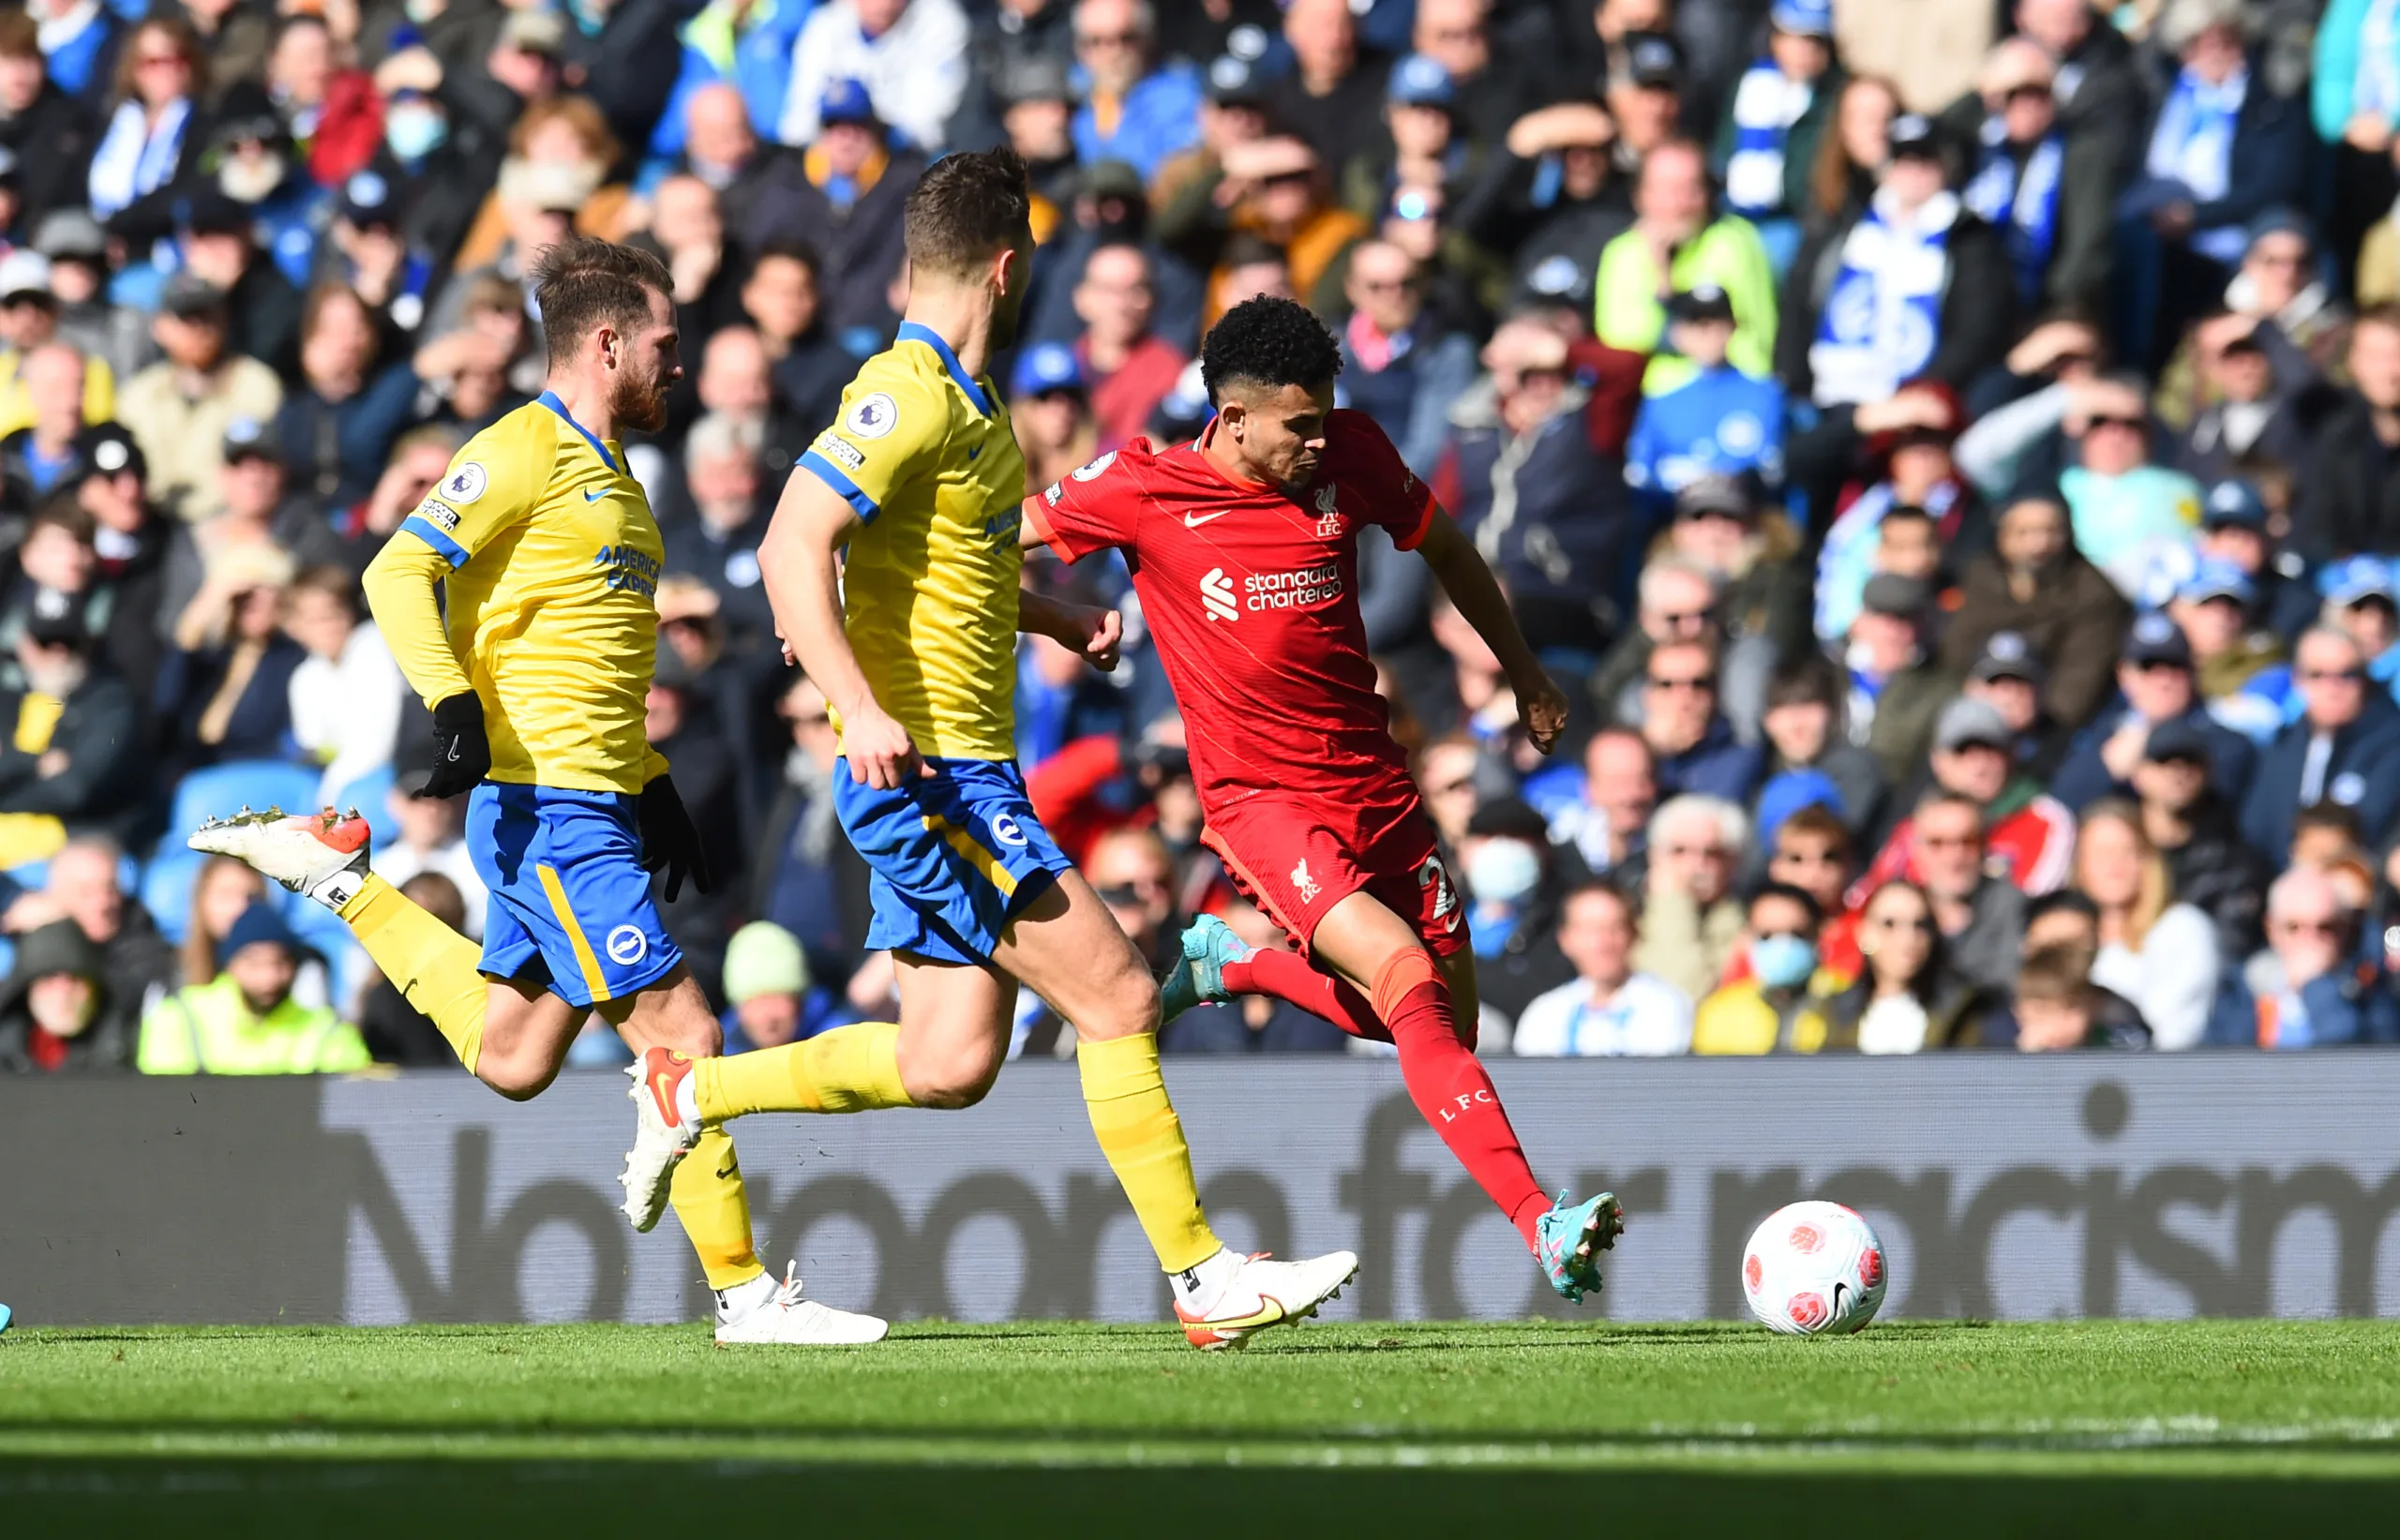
[[321, 855], [662, 1134], [765, 1311], [1264, 1292]]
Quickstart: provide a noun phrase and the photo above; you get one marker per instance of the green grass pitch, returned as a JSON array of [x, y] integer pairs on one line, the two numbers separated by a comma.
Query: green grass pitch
[[2285, 1430]]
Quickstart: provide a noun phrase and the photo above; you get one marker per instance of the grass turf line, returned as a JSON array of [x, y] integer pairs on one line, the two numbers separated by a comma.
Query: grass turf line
[[1993, 1427]]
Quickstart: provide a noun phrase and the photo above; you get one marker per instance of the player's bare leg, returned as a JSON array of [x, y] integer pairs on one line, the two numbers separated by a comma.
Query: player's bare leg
[[1378, 954], [1069, 950]]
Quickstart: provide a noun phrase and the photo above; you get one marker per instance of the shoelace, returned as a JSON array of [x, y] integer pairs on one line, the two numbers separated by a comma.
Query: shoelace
[[788, 1294]]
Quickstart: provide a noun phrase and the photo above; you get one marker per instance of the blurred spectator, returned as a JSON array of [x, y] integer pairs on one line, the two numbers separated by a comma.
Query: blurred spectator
[[112, 337], [850, 208], [2350, 501], [2278, 307], [150, 110], [1135, 110], [180, 408], [395, 1031], [1647, 87], [1803, 731], [1908, 998], [754, 184], [2131, 517], [1609, 823], [1979, 913], [1767, 141], [1691, 924], [2037, 584], [36, 459], [1549, 511], [1896, 689], [1914, 288], [59, 1012], [1277, 192], [1843, 178], [2303, 991], [225, 689], [1692, 743], [1814, 853], [2234, 531], [2224, 146], [338, 424], [1719, 422], [2028, 836], [431, 837], [1128, 368], [2254, 419], [30, 320], [216, 241], [1332, 94], [2099, 88], [246, 1021], [1780, 1004], [2048, 195], [346, 694], [1675, 246], [2191, 824], [807, 877], [1510, 878], [1906, 452], [560, 158], [258, 528], [1403, 365], [906, 57], [2058, 1007], [1750, 551], [1608, 1009], [808, 367], [1050, 403], [2344, 748], [222, 890], [50, 134], [2155, 686], [75, 752], [1027, 102], [1557, 199], [83, 885], [720, 544], [2240, 667], [2155, 950], [770, 995]]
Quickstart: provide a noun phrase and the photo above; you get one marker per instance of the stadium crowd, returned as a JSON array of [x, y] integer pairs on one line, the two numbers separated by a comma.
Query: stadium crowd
[[1950, 449]]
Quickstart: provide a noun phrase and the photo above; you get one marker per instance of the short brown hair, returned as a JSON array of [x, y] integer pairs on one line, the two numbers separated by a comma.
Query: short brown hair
[[583, 283], [334, 582], [178, 32], [1818, 821], [2057, 976], [964, 209], [20, 35]]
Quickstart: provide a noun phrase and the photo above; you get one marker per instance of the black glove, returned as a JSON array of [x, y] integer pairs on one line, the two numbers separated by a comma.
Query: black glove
[[668, 840], [461, 753]]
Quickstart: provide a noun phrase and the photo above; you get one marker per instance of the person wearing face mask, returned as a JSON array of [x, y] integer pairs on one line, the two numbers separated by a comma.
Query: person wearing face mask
[[1609, 1008], [1512, 914], [57, 1014], [1780, 1008]]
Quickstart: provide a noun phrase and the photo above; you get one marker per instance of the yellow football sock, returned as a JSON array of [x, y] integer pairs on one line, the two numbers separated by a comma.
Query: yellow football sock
[[715, 1210], [1126, 1099], [436, 968], [848, 1069]]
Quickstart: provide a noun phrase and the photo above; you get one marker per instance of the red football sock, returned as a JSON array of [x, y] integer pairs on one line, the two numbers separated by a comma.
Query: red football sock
[[1286, 975], [1450, 1089]]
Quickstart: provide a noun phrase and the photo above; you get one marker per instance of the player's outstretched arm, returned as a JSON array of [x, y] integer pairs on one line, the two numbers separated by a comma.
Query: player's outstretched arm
[[1094, 633], [800, 561], [1463, 572]]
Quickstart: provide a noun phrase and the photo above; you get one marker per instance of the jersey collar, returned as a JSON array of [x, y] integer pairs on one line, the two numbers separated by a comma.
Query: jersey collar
[[550, 399], [911, 331]]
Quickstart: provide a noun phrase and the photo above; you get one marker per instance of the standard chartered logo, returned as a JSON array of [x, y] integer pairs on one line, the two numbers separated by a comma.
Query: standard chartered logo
[[1291, 589], [1217, 593]]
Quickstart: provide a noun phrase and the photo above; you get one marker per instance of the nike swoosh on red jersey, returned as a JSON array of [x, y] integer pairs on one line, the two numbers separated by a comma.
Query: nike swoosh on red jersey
[[1194, 521]]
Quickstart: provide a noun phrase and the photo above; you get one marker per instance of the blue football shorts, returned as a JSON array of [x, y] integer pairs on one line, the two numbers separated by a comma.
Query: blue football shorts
[[954, 856], [570, 906]]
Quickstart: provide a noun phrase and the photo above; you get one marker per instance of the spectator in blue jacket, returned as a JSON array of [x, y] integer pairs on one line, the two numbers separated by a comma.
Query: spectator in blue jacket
[[1722, 422], [1134, 110], [2344, 749], [2223, 148], [2305, 990], [2360, 598], [2156, 685], [744, 43], [1693, 743]]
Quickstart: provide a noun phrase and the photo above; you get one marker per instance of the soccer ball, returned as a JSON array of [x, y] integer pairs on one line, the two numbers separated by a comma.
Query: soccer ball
[[1813, 1269]]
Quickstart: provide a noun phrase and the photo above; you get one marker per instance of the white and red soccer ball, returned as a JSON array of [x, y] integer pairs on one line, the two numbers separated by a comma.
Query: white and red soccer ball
[[1813, 1269]]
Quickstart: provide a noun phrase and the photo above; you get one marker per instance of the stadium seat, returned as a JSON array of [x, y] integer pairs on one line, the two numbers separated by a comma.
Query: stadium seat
[[166, 881]]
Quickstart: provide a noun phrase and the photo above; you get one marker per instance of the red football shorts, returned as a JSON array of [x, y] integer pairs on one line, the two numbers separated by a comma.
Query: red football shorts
[[1295, 860]]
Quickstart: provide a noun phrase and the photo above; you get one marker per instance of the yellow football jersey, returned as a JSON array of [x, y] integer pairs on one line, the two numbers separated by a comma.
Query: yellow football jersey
[[925, 454], [552, 597]]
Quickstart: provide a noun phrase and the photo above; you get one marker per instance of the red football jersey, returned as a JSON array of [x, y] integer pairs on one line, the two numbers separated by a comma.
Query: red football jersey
[[1252, 596]]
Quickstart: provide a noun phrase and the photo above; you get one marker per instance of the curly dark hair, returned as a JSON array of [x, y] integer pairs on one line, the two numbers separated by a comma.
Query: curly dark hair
[[1268, 341]]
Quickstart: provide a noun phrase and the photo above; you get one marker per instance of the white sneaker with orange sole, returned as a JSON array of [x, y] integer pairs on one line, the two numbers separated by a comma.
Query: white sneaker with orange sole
[[1265, 1293], [321, 855], [662, 1135]]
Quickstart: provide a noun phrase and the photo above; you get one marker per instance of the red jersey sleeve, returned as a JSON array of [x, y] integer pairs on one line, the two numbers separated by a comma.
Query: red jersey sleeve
[[1390, 493], [1093, 507]]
